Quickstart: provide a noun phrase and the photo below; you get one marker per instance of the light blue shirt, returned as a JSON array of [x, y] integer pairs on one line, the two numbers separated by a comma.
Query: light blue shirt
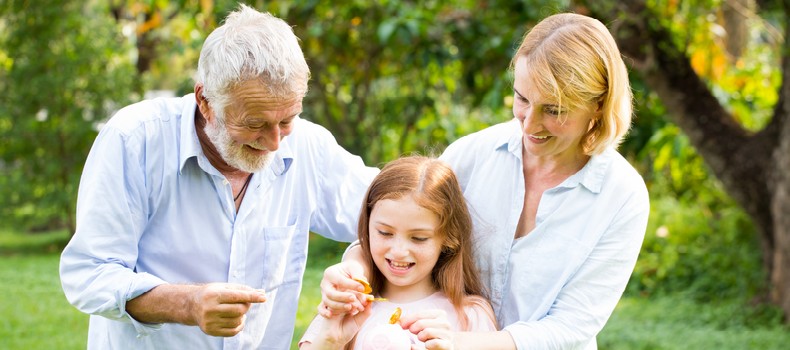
[[152, 209], [556, 287]]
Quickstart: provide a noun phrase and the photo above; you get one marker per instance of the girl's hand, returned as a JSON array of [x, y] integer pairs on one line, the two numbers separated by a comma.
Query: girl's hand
[[340, 293], [343, 328], [334, 333], [431, 327]]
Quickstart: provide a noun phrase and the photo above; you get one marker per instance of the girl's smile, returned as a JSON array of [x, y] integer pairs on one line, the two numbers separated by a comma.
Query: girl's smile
[[405, 247]]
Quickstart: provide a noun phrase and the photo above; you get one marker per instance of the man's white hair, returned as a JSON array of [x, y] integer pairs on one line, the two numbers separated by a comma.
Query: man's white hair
[[251, 45]]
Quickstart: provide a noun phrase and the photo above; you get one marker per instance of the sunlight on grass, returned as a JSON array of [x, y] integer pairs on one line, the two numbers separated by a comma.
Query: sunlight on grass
[[675, 322], [35, 313], [50, 242]]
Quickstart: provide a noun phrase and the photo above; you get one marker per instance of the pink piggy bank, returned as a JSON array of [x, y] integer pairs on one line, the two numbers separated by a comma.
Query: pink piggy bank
[[385, 337]]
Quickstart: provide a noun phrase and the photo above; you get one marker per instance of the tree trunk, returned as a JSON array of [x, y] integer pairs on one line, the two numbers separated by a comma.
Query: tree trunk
[[780, 209], [753, 167]]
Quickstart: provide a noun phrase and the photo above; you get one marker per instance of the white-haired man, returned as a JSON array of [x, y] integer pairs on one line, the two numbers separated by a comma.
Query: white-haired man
[[193, 213]]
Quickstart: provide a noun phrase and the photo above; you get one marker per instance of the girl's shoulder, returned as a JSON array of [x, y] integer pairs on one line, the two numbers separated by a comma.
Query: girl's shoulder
[[480, 313]]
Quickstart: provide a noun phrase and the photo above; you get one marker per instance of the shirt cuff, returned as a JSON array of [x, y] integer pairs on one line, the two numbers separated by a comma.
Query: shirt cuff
[[142, 284]]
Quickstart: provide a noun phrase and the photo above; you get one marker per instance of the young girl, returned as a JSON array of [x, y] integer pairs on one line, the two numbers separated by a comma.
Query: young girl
[[415, 233]]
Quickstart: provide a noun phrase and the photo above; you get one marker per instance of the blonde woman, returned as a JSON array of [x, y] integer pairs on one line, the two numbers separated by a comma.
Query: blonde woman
[[559, 214]]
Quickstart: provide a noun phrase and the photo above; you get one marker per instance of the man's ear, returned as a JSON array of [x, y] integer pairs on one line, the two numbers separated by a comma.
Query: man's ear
[[202, 102]]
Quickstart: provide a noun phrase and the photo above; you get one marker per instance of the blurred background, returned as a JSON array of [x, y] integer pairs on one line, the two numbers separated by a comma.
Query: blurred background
[[400, 77]]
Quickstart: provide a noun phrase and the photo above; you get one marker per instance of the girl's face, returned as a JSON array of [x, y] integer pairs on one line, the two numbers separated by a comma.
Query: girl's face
[[549, 130], [405, 247]]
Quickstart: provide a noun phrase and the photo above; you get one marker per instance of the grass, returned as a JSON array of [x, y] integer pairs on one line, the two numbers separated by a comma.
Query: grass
[[35, 315], [676, 322]]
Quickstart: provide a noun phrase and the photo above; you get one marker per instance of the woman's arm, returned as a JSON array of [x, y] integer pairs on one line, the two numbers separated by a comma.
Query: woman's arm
[[500, 340]]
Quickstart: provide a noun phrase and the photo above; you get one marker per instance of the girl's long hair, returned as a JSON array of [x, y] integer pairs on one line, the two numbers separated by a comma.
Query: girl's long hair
[[433, 186]]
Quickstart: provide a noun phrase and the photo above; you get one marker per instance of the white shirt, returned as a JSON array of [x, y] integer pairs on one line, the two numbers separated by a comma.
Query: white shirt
[[556, 287], [153, 210]]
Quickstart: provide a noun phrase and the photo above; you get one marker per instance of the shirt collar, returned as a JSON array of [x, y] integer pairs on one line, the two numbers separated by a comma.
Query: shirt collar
[[590, 176], [593, 173], [190, 146], [512, 139]]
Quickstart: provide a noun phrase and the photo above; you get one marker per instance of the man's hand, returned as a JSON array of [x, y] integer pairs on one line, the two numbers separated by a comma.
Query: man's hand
[[219, 309], [340, 293]]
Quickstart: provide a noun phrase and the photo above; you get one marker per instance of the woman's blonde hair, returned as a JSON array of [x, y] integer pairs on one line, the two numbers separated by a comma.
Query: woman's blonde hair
[[575, 60], [433, 186]]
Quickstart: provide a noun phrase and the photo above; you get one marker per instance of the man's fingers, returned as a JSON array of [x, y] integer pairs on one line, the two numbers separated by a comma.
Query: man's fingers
[[232, 296], [225, 326]]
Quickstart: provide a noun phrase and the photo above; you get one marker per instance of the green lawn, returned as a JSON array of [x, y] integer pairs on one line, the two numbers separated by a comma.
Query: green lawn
[[34, 313]]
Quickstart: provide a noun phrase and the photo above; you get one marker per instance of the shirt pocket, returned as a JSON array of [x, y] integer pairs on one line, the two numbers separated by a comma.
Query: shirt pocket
[[275, 263]]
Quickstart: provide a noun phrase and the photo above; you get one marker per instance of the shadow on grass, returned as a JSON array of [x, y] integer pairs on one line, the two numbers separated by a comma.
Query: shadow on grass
[[22, 243]]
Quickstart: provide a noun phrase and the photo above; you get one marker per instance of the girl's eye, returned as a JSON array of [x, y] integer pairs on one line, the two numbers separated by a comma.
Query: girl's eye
[[384, 233], [420, 239]]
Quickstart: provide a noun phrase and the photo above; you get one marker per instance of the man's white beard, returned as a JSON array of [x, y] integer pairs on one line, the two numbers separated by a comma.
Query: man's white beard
[[232, 152]]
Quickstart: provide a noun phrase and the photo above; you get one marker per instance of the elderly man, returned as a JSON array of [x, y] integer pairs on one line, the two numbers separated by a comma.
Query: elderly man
[[193, 213]]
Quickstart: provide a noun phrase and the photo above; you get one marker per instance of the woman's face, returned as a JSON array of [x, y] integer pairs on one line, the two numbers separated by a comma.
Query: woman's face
[[550, 130], [405, 246]]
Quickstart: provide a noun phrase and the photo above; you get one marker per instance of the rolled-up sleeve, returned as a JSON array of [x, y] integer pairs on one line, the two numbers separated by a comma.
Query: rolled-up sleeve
[[97, 267]]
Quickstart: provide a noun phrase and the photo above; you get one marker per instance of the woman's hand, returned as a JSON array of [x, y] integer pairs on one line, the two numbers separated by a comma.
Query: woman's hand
[[340, 293], [431, 327]]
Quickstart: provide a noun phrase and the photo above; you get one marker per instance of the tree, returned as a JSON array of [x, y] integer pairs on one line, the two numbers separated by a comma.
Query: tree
[[60, 76], [753, 165]]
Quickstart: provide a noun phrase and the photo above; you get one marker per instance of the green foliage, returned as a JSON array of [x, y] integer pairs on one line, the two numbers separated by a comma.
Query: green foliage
[[697, 240], [389, 77], [60, 75], [679, 322]]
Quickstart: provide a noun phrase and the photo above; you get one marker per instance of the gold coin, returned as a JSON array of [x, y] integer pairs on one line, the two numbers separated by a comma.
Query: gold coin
[[395, 316], [372, 298], [365, 284]]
